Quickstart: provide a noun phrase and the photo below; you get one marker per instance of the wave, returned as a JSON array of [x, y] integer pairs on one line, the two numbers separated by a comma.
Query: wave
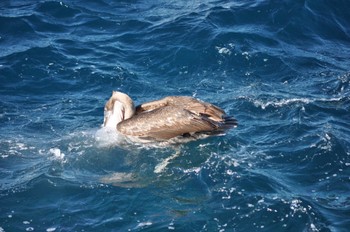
[[278, 103], [281, 68]]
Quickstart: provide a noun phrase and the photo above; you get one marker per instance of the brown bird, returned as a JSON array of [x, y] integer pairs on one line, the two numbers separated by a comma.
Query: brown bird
[[165, 119]]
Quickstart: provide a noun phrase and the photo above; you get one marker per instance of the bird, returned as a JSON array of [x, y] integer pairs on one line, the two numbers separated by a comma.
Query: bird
[[170, 118]]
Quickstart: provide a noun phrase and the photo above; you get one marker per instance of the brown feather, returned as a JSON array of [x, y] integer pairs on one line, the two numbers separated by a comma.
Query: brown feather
[[164, 123]]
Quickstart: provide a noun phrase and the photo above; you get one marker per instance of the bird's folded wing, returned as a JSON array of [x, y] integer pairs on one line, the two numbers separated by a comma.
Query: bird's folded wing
[[165, 123], [149, 106], [189, 103]]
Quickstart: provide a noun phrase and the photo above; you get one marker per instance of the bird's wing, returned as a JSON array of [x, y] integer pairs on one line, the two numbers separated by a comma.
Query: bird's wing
[[206, 109], [191, 104], [149, 106], [165, 123]]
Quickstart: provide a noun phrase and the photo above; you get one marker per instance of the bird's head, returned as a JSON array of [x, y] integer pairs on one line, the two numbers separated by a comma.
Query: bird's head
[[118, 108]]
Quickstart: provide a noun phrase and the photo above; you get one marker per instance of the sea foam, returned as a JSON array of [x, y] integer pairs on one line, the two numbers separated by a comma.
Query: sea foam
[[107, 137]]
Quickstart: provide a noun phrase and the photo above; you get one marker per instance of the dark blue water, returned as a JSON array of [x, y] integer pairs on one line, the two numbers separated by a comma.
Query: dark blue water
[[282, 68]]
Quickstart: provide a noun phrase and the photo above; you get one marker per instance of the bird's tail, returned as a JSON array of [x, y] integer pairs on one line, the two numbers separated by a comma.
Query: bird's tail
[[228, 122]]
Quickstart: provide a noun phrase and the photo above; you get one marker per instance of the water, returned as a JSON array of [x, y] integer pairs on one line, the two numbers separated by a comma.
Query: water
[[280, 67]]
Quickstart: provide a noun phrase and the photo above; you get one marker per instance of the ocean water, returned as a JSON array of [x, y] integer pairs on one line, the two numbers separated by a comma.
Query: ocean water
[[282, 68]]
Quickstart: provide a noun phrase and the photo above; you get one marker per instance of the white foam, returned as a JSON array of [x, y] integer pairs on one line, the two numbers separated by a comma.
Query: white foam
[[143, 224], [171, 226], [313, 227], [3, 156], [282, 102], [107, 137], [223, 50], [51, 229], [57, 153]]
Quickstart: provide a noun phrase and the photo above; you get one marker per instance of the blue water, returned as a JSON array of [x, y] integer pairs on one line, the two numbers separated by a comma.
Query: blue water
[[282, 68]]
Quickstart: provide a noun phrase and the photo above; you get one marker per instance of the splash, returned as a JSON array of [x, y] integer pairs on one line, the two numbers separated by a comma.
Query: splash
[[57, 153], [108, 137]]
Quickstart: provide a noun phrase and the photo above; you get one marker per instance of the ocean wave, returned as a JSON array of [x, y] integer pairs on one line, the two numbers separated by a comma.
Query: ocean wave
[[301, 102], [281, 68]]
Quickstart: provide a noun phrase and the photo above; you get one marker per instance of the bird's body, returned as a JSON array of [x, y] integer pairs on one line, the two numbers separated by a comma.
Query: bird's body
[[165, 119]]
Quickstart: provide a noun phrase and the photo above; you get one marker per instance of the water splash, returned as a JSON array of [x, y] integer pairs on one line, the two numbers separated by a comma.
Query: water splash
[[108, 137]]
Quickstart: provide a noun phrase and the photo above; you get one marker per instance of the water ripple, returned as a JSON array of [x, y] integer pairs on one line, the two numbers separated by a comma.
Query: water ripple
[[281, 69]]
